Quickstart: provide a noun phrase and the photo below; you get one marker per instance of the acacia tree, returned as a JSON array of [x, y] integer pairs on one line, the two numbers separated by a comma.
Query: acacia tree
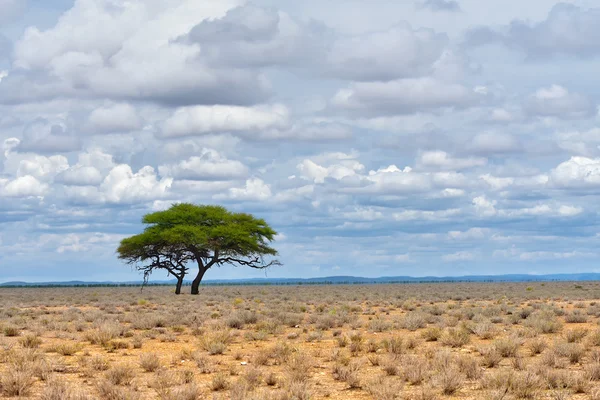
[[207, 235]]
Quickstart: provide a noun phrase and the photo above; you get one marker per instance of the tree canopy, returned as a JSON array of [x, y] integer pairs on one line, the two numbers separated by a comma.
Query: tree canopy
[[205, 234]]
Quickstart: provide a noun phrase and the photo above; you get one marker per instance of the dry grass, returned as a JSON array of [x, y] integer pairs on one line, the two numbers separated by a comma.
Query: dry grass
[[409, 342]]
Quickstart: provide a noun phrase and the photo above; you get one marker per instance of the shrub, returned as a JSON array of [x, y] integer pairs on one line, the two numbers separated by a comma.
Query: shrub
[[455, 337], [450, 380], [576, 317], [216, 342], [17, 381], [30, 341], [431, 334], [149, 362], [414, 320], [120, 375], [525, 385], [575, 335], [11, 331], [507, 347], [219, 382], [537, 345]]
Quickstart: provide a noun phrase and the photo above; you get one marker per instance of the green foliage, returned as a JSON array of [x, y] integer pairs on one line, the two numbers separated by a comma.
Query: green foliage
[[208, 235]]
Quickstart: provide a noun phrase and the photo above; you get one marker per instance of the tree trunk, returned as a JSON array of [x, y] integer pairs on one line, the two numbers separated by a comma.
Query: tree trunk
[[179, 283], [197, 280]]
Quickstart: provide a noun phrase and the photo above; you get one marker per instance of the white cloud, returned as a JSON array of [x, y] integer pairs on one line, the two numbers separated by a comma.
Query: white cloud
[[117, 118], [318, 173], [255, 189], [209, 165], [577, 172], [459, 256], [23, 186], [470, 234], [129, 51], [484, 207], [557, 101], [401, 52], [122, 185], [199, 120], [441, 160], [494, 143], [402, 96]]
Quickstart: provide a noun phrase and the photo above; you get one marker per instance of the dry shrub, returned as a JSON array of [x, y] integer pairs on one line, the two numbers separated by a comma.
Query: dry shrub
[[485, 330], [593, 338], [216, 342], [432, 334], [120, 374], [469, 366], [149, 362], [17, 381], [507, 347], [576, 317], [449, 380], [219, 382], [98, 363], [59, 390], [383, 389], [525, 385], [455, 337], [185, 392], [253, 377], [544, 322], [414, 320], [30, 341], [394, 345], [11, 331], [414, 370], [348, 373], [536, 346], [578, 383], [391, 366], [298, 367], [379, 325], [110, 391], [592, 371], [575, 335]]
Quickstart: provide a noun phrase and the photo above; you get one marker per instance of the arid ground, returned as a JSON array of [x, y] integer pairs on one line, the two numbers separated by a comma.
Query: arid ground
[[415, 341]]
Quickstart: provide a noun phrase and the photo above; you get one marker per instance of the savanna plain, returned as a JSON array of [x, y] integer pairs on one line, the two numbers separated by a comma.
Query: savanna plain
[[403, 341]]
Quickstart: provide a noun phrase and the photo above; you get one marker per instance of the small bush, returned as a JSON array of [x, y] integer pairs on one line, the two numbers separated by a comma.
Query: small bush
[[120, 375], [149, 362], [455, 337]]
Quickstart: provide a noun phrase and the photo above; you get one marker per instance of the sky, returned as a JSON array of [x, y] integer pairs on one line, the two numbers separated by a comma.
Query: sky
[[377, 137]]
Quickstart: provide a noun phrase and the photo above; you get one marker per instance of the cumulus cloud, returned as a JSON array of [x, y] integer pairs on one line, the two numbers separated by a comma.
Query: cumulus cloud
[[99, 49], [209, 165], [577, 173], [568, 29], [122, 185], [344, 167], [23, 186], [557, 101], [117, 118], [255, 189], [255, 36], [490, 143], [442, 160], [404, 96], [201, 120], [401, 52], [48, 136]]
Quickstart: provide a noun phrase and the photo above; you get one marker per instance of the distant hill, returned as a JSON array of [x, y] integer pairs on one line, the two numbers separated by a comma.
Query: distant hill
[[333, 280]]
